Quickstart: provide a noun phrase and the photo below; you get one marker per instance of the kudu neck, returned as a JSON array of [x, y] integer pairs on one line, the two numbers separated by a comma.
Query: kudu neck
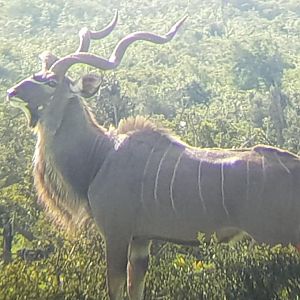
[[78, 149]]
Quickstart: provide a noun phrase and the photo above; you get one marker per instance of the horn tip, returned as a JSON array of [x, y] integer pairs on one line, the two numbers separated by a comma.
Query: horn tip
[[116, 17], [176, 27], [181, 21]]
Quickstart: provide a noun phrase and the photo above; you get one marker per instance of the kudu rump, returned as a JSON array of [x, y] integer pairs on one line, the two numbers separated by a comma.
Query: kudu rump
[[138, 182]]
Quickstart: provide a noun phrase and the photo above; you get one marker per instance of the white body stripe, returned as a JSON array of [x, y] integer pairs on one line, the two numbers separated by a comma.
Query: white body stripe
[[248, 180], [282, 164], [158, 171], [222, 189], [199, 187], [263, 166], [173, 179], [145, 170]]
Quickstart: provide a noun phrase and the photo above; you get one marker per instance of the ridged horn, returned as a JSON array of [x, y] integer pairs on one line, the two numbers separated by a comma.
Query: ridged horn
[[61, 66], [86, 35]]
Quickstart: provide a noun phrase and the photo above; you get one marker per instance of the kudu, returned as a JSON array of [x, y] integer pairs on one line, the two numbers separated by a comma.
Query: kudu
[[140, 183]]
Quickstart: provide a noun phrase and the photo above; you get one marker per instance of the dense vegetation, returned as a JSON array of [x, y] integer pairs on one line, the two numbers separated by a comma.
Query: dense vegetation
[[231, 78]]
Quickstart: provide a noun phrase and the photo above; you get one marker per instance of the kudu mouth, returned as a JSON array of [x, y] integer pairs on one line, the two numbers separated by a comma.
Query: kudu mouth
[[31, 114]]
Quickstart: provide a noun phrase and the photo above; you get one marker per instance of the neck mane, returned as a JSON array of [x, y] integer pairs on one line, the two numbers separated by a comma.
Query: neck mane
[[66, 163]]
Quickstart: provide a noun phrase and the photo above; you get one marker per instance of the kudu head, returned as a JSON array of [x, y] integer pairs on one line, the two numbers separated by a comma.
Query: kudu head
[[44, 95]]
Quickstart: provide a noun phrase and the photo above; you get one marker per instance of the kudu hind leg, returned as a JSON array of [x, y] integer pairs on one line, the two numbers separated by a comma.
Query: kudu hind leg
[[116, 259], [138, 261]]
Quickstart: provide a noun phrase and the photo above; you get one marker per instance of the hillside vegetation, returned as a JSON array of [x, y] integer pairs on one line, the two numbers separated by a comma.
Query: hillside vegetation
[[230, 79]]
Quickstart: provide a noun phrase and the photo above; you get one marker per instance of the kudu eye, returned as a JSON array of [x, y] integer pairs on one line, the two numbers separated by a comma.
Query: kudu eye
[[52, 83]]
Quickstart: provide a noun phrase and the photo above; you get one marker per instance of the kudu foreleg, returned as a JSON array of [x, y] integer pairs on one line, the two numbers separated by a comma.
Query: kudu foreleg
[[138, 260], [116, 260]]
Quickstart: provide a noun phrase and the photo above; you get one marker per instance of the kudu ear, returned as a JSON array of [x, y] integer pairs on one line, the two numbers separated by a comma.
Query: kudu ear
[[87, 86]]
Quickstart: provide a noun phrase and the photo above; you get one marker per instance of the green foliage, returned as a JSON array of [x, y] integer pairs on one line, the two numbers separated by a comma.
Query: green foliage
[[260, 66], [75, 271], [211, 271], [219, 271]]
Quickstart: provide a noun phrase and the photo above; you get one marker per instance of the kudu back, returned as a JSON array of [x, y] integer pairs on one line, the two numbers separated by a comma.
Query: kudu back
[[138, 182]]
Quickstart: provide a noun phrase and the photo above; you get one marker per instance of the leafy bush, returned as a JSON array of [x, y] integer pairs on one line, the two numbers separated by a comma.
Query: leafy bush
[[209, 271]]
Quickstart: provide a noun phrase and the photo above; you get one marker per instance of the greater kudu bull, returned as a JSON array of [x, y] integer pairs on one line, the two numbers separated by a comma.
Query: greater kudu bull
[[138, 182]]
